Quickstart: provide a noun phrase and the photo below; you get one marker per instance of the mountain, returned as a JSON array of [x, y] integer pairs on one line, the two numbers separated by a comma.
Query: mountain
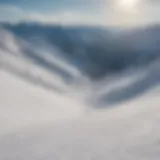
[[86, 58], [96, 52], [79, 93], [38, 124]]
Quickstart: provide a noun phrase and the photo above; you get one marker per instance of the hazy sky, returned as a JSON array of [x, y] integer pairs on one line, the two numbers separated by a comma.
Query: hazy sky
[[98, 12]]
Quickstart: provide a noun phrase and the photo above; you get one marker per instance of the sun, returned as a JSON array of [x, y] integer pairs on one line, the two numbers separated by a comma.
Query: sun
[[126, 12], [127, 4]]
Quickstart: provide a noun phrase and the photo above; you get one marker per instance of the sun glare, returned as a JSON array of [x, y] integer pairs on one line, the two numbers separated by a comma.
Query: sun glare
[[126, 12], [127, 4]]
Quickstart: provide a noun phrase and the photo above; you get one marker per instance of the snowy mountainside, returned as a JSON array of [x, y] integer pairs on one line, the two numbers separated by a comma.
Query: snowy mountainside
[[80, 93], [96, 52], [38, 124], [67, 58]]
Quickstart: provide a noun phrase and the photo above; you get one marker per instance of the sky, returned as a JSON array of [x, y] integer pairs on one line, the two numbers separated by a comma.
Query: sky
[[75, 12]]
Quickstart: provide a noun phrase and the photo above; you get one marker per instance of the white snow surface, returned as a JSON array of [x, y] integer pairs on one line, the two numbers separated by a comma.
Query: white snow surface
[[40, 122], [36, 124]]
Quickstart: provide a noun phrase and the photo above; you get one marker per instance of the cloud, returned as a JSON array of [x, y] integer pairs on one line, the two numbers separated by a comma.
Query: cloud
[[55, 5], [102, 12], [12, 14]]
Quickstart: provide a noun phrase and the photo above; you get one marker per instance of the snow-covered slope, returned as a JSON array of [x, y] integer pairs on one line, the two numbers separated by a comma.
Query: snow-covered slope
[[38, 124], [24, 104], [50, 108], [96, 52]]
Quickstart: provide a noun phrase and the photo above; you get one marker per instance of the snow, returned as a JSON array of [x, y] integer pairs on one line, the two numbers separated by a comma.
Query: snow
[[28, 104], [42, 117], [36, 123]]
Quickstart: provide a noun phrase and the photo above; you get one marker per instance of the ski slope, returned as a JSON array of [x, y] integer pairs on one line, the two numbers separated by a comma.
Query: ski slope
[[36, 123], [51, 110]]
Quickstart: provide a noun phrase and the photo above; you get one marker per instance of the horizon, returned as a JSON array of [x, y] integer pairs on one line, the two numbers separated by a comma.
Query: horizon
[[34, 23], [116, 13]]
